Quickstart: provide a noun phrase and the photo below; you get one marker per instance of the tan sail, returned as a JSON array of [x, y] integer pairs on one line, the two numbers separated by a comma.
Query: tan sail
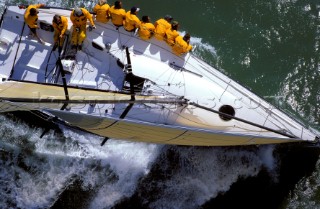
[[42, 96]]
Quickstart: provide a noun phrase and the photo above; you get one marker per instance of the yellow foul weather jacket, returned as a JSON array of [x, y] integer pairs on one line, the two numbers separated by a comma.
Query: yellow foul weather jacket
[[60, 29], [170, 36], [146, 30], [131, 21], [31, 20], [79, 26], [117, 16], [161, 27], [181, 46], [102, 12], [82, 20]]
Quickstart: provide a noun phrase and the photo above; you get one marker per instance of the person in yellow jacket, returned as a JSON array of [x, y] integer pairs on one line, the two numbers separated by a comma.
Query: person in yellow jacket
[[60, 25], [101, 11], [182, 45], [146, 29], [79, 17], [171, 34], [117, 14], [131, 21], [162, 25], [31, 19]]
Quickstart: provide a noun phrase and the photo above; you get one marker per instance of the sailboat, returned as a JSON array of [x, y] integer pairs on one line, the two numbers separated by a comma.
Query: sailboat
[[122, 87]]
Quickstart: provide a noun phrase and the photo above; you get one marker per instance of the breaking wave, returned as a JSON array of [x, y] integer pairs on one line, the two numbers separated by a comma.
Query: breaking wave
[[35, 172]]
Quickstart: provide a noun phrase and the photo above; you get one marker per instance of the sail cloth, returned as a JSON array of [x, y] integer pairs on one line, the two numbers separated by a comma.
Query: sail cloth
[[160, 133], [28, 95], [6, 106]]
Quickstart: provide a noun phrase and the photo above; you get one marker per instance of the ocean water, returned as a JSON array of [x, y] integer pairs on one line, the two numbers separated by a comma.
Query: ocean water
[[271, 47]]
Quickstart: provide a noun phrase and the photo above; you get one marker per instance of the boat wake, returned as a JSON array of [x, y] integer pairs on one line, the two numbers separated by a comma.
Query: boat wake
[[35, 173], [188, 177]]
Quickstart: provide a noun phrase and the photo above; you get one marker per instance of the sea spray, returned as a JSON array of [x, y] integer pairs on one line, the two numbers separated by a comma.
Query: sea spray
[[130, 162], [187, 177], [162, 176], [38, 175], [204, 51]]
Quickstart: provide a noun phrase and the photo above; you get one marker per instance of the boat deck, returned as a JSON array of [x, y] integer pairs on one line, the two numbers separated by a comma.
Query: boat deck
[[103, 65]]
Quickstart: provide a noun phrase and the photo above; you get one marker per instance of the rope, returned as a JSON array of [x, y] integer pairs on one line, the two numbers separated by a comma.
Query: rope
[[15, 57]]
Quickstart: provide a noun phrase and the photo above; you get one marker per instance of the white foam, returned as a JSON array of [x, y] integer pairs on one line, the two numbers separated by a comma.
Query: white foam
[[116, 168], [203, 46], [35, 179], [209, 172], [130, 161]]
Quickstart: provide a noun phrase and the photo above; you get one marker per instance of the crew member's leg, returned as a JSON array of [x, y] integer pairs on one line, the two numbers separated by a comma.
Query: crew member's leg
[[34, 32], [82, 36]]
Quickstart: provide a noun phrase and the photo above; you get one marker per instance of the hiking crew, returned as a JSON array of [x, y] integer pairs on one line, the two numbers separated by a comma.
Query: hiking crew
[[162, 25], [146, 29], [131, 21], [163, 29], [182, 45], [101, 11], [117, 14], [172, 33]]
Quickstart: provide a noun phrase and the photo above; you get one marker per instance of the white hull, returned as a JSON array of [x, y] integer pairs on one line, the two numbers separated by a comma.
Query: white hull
[[102, 66]]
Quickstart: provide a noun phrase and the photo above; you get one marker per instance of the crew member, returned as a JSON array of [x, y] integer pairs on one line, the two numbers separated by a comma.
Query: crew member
[[79, 17], [162, 25], [172, 34], [146, 29], [31, 18], [182, 45], [131, 21], [60, 25], [117, 14], [101, 10]]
